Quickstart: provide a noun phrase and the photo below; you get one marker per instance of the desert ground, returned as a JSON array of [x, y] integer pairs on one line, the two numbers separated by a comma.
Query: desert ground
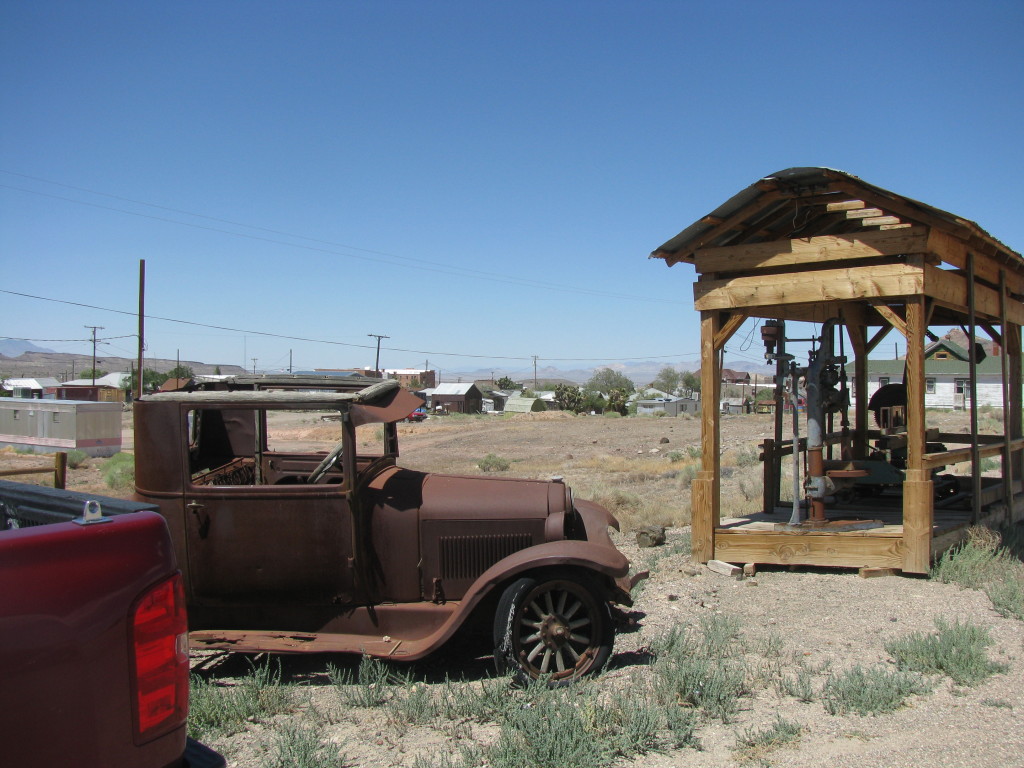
[[787, 635]]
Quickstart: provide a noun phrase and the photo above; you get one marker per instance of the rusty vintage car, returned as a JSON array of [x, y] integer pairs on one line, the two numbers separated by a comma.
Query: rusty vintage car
[[288, 550]]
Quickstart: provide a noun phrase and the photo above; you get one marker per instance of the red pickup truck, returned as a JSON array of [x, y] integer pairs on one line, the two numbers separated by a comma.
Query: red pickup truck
[[94, 667]]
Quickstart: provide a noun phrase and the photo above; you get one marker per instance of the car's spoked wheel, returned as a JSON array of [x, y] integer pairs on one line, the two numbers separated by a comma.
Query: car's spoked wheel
[[556, 628]]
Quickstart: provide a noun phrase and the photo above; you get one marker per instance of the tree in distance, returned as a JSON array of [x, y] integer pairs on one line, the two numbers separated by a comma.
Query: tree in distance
[[667, 380], [605, 380], [569, 398]]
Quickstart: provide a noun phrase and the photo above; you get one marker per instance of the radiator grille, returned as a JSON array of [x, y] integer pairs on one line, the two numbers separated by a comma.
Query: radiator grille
[[466, 557]]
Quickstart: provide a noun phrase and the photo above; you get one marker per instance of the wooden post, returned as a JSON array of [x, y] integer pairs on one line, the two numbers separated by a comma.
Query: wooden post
[[1008, 468], [972, 372], [771, 477], [858, 332], [917, 488], [1012, 350], [60, 470], [705, 502]]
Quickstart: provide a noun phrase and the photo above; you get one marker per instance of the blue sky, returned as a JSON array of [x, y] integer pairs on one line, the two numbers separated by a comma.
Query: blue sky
[[481, 182]]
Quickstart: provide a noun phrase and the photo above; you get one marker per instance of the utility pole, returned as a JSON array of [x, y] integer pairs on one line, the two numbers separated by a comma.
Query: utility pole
[[254, 365], [535, 373], [94, 329], [289, 361], [378, 337]]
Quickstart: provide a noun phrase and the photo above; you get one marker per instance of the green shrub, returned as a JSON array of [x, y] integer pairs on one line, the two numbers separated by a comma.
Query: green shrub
[[119, 471], [301, 746], [990, 561], [747, 457], [694, 669], [955, 650], [493, 463], [688, 473], [754, 744], [870, 691], [216, 709], [367, 688], [77, 458]]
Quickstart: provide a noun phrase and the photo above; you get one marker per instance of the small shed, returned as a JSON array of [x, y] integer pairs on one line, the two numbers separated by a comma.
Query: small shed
[[28, 387], [457, 398], [45, 426], [817, 245]]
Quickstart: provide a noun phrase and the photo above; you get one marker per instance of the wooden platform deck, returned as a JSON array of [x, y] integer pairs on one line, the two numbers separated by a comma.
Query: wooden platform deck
[[766, 538]]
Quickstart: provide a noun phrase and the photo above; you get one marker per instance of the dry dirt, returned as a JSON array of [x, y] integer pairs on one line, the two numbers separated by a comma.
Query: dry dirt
[[821, 618]]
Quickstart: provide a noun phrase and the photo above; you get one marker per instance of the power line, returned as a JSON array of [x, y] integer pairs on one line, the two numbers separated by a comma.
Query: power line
[[268, 334], [413, 263]]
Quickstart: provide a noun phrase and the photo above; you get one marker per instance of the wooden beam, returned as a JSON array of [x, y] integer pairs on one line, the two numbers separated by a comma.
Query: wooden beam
[[846, 205], [863, 213], [1004, 382], [918, 494], [875, 221], [729, 327], [705, 488], [722, 226], [880, 281], [856, 326], [992, 332], [953, 251], [901, 225], [810, 250], [959, 455], [892, 318], [878, 337], [784, 548], [950, 290]]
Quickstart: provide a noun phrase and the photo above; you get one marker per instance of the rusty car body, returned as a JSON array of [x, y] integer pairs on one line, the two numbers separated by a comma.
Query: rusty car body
[[289, 550]]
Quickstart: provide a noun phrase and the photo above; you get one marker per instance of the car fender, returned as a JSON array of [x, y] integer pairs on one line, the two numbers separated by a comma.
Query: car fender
[[583, 555]]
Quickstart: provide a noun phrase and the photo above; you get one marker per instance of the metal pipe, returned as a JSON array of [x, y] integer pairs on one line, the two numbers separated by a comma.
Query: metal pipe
[[794, 519], [816, 481]]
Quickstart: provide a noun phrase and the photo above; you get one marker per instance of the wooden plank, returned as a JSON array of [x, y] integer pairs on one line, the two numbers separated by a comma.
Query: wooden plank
[[726, 569], [959, 455], [901, 225], [874, 573], [846, 205], [876, 221], [863, 213], [811, 250], [836, 550], [879, 281], [950, 290]]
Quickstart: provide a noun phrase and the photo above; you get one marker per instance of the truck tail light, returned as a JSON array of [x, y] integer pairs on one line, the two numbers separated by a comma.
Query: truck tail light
[[160, 659]]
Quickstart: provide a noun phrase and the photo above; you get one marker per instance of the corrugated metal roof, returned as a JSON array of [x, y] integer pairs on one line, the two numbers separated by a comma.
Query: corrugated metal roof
[[42, 383], [932, 367], [793, 203], [452, 389]]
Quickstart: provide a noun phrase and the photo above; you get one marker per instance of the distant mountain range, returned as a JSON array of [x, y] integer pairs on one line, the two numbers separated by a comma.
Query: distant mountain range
[[15, 347], [63, 366]]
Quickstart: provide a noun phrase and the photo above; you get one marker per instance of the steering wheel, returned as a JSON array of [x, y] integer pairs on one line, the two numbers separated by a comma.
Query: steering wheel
[[323, 466]]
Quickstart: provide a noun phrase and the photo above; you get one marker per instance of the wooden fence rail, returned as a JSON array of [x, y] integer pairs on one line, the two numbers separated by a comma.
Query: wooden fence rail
[[59, 470]]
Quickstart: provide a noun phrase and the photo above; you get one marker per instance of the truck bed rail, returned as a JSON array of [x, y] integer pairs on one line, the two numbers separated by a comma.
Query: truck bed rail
[[23, 505]]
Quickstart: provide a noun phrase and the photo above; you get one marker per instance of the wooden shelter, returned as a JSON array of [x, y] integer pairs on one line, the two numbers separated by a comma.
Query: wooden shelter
[[814, 245]]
